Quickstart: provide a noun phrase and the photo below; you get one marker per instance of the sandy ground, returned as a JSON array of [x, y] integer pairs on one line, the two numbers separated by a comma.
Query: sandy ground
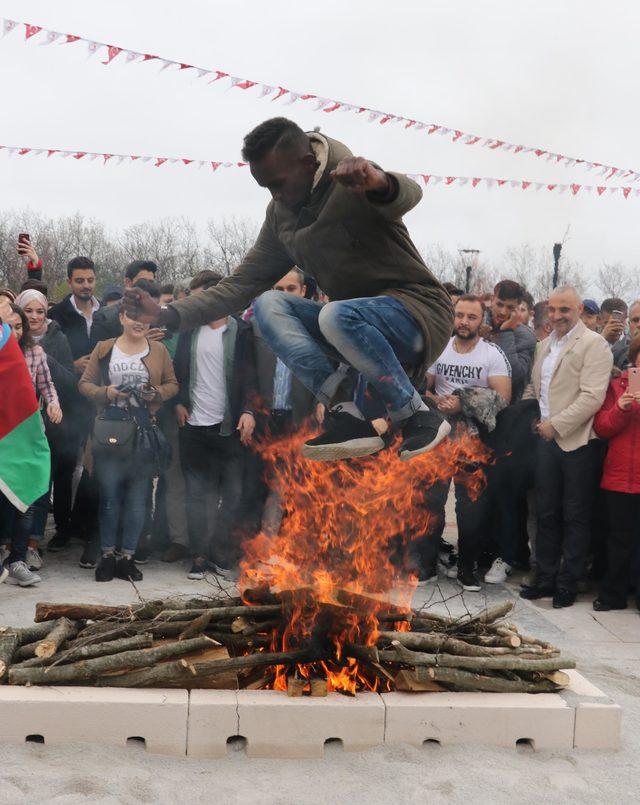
[[606, 645]]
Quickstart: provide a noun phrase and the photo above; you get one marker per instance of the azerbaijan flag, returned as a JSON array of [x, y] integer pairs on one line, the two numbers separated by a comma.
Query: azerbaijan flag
[[25, 462]]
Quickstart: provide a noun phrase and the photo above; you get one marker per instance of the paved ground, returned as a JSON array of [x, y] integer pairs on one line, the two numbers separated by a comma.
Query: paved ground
[[606, 645]]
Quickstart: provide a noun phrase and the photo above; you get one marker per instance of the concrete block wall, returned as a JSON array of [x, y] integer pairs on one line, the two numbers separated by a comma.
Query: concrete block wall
[[201, 723]]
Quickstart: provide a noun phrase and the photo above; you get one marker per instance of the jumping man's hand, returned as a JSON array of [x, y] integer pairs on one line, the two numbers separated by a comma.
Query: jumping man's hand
[[139, 305], [360, 176]]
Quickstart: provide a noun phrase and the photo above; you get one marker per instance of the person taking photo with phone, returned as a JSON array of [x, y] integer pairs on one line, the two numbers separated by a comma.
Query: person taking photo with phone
[[125, 372], [619, 421]]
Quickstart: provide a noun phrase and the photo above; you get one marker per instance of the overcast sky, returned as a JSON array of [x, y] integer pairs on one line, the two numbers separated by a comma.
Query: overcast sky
[[560, 74]]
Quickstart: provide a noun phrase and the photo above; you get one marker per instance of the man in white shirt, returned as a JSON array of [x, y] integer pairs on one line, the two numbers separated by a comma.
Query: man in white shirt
[[215, 366], [467, 361], [569, 379]]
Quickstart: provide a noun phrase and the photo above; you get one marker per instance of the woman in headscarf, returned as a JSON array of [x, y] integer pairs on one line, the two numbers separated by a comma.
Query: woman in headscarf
[[48, 335]]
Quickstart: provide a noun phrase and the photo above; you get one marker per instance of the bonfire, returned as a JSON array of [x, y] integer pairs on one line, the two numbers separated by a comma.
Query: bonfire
[[324, 604]]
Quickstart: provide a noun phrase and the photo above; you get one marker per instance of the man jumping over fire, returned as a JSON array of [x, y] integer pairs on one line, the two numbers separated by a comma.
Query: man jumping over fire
[[339, 218]]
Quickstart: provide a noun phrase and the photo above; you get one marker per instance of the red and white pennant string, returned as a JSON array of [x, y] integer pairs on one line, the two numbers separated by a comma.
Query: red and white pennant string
[[118, 159], [108, 53], [428, 179]]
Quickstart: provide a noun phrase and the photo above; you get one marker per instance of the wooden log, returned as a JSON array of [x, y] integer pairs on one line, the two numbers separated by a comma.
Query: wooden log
[[298, 657], [427, 615], [527, 640], [485, 616], [64, 629], [26, 651], [505, 663], [436, 642], [30, 634], [319, 687], [8, 645], [364, 653], [239, 641], [89, 669], [295, 686], [90, 652], [53, 612], [262, 626], [239, 623], [510, 641], [221, 613], [196, 626], [170, 672], [408, 681], [465, 680], [166, 674], [201, 602]]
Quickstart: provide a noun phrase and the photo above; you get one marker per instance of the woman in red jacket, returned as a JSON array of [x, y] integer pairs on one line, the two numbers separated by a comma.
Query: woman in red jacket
[[619, 421]]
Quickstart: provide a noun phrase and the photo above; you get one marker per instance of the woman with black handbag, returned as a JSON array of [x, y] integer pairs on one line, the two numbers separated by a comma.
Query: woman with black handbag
[[128, 378]]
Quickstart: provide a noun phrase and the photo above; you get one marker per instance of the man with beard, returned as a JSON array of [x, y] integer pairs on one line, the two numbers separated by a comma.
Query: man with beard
[[515, 339], [467, 361]]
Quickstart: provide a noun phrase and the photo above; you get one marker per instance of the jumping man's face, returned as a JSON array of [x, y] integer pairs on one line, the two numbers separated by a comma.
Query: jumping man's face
[[287, 175]]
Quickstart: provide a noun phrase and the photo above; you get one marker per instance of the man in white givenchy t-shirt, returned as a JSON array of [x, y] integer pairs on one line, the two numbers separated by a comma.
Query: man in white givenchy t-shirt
[[467, 361]]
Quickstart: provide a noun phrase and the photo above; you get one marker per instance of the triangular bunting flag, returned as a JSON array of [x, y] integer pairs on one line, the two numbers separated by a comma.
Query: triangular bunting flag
[[31, 30], [112, 52]]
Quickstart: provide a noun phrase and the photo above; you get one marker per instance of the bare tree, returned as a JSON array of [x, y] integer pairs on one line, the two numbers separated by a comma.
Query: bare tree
[[533, 268], [615, 279], [228, 242]]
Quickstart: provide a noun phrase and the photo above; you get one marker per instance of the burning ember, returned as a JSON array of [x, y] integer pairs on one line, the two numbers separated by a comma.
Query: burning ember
[[340, 563]]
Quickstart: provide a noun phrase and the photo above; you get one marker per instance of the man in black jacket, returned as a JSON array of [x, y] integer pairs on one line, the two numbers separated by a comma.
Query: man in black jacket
[[215, 367], [75, 312]]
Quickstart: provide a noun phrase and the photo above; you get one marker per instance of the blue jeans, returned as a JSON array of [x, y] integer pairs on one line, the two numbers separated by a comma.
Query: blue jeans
[[123, 486], [375, 335], [14, 529]]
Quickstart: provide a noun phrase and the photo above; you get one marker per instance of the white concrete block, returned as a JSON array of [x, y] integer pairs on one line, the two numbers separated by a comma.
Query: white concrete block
[[598, 726], [495, 719], [95, 715], [581, 686], [213, 719], [278, 726]]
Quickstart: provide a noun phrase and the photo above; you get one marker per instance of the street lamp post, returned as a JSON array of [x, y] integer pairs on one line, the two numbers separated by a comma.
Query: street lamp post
[[557, 249], [470, 256]]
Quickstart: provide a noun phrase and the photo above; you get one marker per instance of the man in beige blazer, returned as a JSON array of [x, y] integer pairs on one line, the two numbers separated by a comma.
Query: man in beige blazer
[[569, 379]]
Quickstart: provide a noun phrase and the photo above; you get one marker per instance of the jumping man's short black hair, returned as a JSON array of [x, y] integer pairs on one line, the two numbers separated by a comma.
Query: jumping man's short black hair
[[278, 131]]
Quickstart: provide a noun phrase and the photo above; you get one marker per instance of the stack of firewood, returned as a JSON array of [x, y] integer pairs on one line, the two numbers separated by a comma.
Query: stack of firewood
[[226, 643]]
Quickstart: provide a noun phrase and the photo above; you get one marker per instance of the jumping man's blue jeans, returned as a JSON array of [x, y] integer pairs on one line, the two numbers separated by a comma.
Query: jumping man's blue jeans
[[375, 335]]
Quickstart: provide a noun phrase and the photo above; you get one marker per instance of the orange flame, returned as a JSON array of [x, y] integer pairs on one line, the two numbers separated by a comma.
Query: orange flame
[[337, 559]]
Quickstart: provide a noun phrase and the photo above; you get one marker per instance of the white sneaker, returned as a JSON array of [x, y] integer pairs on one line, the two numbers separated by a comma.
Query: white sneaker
[[4, 554], [452, 571], [20, 574], [3, 573], [33, 559], [498, 572]]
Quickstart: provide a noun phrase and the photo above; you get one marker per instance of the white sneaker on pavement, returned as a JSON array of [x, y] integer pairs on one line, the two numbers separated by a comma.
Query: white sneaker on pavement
[[498, 572], [33, 559], [3, 573], [20, 574], [452, 572]]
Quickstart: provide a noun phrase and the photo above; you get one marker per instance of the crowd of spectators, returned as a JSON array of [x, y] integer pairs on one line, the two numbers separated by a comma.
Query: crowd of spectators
[[551, 386]]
